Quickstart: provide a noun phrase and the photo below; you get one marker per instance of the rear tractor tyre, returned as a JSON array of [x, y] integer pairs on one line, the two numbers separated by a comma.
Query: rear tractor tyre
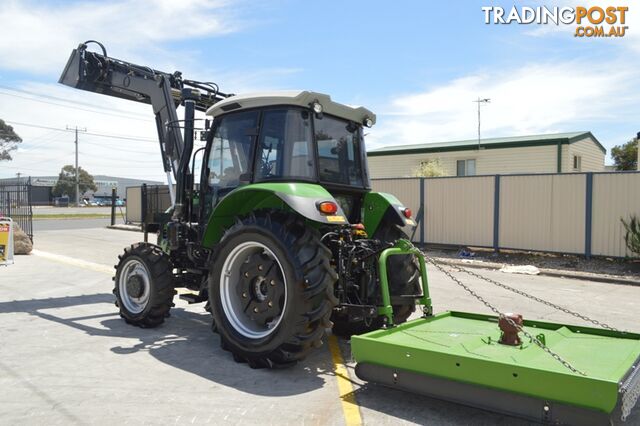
[[271, 289], [144, 285]]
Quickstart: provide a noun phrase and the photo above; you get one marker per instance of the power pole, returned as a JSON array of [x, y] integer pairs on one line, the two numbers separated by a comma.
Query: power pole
[[83, 129], [480, 101]]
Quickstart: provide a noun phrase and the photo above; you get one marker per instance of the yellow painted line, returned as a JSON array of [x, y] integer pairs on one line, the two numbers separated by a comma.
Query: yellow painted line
[[350, 407], [84, 264]]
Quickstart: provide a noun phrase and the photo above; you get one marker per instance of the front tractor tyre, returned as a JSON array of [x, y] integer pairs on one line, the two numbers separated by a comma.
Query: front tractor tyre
[[144, 285], [271, 289]]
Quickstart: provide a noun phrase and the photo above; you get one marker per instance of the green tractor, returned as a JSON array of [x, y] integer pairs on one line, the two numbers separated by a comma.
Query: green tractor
[[282, 238], [280, 235]]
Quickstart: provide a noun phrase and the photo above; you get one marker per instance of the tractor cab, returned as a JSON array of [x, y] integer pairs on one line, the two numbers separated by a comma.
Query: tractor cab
[[293, 136]]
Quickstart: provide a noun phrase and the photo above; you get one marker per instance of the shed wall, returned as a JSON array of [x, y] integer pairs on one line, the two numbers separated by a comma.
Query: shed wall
[[592, 157], [531, 159]]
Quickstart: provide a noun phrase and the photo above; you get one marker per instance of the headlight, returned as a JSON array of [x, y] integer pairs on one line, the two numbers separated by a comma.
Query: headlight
[[316, 107]]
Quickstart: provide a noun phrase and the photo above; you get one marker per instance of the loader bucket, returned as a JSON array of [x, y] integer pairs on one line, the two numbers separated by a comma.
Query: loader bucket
[[456, 356]]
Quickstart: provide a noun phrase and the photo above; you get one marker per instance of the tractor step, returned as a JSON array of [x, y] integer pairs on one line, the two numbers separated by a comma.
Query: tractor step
[[192, 298], [457, 356]]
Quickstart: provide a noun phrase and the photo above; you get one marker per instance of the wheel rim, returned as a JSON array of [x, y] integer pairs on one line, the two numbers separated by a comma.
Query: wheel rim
[[134, 285], [253, 290]]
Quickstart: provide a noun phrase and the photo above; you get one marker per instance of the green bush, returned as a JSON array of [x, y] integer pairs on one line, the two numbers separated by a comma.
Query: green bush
[[632, 237]]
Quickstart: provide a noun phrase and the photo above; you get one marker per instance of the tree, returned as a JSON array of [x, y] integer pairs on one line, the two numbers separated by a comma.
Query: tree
[[9, 141], [429, 168], [66, 184], [632, 235], [625, 157]]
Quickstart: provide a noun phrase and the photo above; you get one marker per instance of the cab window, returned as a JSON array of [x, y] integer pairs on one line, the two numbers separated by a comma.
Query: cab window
[[285, 146], [230, 155]]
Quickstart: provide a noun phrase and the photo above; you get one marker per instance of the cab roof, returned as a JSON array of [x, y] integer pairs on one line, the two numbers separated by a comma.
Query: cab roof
[[301, 98]]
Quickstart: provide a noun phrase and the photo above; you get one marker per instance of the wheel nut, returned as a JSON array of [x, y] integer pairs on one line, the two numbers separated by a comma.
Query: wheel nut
[[244, 295], [246, 274], [270, 304], [260, 267], [272, 282], [255, 310]]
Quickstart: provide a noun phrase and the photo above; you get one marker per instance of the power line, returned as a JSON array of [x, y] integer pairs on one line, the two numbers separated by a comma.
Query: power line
[[90, 105], [103, 157], [50, 159], [26, 168], [104, 135], [121, 149], [39, 142], [74, 107], [128, 138]]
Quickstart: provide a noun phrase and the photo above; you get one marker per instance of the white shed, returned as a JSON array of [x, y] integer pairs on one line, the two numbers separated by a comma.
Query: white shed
[[550, 153]]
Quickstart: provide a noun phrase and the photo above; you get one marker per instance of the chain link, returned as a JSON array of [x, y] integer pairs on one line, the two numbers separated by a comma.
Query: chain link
[[631, 394], [537, 299], [503, 316]]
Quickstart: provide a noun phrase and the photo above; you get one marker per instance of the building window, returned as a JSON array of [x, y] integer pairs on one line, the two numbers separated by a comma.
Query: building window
[[466, 168], [577, 163]]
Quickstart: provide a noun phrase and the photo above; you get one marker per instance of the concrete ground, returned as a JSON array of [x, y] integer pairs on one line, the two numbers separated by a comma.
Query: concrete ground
[[67, 358]]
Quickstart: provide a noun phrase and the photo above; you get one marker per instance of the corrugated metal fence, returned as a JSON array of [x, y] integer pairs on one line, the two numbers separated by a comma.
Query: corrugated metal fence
[[144, 202], [575, 213]]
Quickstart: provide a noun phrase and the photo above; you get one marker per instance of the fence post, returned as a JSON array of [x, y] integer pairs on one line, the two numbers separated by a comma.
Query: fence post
[[8, 205], [422, 210], [143, 210], [496, 213], [113, 206], [588, 215], [29, 211]]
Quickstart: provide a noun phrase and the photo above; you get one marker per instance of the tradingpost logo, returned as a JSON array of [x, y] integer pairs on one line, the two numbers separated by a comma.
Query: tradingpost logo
[[594, 21]]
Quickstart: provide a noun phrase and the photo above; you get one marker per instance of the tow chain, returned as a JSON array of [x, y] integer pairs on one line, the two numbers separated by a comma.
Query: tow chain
[[503, 316], [537, 299]]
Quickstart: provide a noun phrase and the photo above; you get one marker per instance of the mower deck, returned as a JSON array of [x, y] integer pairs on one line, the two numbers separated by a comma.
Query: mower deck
[[456, 356]]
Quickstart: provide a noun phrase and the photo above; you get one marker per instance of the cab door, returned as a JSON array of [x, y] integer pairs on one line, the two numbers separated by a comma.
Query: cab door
[[228, 159]]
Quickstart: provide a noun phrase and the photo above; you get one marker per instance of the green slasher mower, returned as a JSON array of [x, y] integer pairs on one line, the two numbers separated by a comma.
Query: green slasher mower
[[282, 238]]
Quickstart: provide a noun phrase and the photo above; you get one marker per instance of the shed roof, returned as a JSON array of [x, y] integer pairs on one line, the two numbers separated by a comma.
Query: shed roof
[[488, 143]]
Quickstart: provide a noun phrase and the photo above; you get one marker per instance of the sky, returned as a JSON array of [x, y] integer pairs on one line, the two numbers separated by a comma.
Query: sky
[[417, 64]]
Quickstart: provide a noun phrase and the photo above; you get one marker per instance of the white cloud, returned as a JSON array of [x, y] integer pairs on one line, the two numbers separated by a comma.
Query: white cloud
[[530, 99], [39, 38]]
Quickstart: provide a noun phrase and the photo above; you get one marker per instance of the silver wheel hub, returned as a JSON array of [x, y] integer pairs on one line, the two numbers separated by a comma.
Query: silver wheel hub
[[134, 285], [253, 291]]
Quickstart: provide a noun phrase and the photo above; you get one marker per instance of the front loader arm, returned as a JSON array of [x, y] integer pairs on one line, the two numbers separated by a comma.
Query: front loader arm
[[98, 73]]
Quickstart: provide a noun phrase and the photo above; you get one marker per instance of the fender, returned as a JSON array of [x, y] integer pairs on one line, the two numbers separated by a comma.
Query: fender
[[298, 197], [379, 207]]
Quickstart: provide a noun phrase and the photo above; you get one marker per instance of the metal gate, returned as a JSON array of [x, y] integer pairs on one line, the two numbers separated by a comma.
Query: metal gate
[[15, 202]]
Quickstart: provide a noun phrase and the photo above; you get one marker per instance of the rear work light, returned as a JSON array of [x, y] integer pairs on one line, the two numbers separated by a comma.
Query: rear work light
[[406, 212], [328, 207]]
